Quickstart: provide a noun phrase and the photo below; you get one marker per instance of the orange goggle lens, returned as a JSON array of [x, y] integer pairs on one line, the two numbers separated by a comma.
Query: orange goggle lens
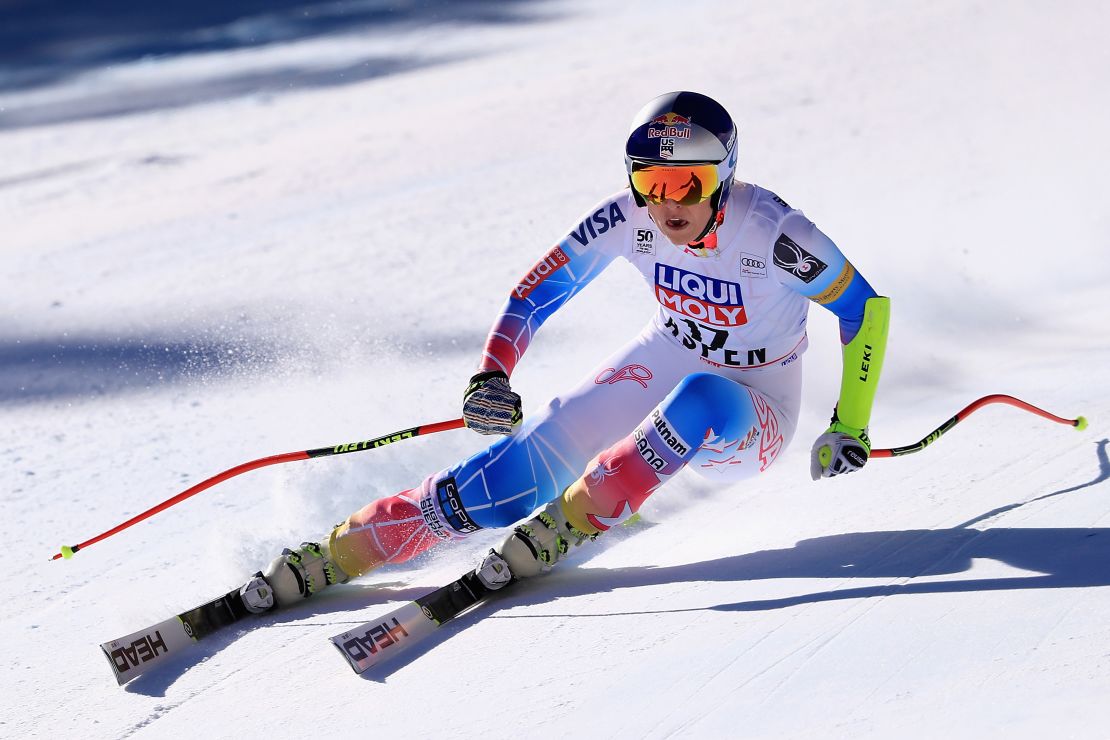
[[685, 184]]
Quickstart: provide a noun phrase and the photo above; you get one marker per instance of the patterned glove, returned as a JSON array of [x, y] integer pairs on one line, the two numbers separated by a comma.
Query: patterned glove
[[841, 449], [489, 404]]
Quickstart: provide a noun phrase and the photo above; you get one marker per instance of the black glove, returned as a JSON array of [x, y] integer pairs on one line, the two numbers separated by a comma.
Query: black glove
[[489, 404]]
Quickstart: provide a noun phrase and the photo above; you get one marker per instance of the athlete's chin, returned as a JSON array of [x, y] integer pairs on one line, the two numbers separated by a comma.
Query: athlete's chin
[[679, 236]]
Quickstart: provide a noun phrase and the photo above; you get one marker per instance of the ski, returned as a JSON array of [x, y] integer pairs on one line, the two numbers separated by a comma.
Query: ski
[[373, 642], [134, 654]]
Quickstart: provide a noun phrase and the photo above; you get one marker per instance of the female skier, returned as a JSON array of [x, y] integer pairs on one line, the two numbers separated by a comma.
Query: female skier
[[713, 381]]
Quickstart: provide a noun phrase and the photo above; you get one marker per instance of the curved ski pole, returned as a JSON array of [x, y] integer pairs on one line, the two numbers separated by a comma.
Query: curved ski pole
[[340, 449], [1079, 423]]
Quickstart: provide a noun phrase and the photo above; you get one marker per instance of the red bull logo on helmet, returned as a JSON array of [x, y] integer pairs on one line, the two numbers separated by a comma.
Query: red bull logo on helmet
[[714, 301], [669, 125], [671, 119]]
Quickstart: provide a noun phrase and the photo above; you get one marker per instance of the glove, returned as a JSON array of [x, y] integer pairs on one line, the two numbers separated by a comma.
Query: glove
[[841, 449], [489, 404]]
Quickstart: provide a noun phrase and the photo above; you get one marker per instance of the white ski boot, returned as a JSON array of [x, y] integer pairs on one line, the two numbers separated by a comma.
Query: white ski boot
[[493, 571], [536, 545], [295, 575], [257, 595]]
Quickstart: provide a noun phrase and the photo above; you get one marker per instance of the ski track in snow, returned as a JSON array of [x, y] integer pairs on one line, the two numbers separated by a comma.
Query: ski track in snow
[[278, 231]]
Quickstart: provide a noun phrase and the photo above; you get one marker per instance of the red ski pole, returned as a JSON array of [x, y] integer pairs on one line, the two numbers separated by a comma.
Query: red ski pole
[[340, 449], [1079, 423]]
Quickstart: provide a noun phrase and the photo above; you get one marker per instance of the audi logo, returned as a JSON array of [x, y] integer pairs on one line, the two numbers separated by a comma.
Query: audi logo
[[749, 262]]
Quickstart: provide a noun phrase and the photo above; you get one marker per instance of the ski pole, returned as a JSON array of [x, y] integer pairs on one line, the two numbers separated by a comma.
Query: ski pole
[[1079, 423], [340, 449]]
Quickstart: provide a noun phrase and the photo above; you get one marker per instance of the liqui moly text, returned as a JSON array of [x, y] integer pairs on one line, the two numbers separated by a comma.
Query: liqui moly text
[[714, 301]]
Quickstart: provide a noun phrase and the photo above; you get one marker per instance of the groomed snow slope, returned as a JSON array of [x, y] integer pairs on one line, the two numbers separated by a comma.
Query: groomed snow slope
[[313, 252]]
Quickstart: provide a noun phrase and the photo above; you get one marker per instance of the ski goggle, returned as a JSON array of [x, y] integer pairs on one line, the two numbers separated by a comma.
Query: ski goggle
[[685, 184]]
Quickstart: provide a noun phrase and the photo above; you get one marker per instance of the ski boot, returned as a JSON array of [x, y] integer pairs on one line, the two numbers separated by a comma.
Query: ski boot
[[292, 576], [257, 595], [534, 547]]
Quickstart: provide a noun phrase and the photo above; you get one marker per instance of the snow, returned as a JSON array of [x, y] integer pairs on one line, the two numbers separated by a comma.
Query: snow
[[275, 230]]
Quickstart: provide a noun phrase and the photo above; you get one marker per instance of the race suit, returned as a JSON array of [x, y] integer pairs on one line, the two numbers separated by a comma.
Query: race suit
[[713, 381]]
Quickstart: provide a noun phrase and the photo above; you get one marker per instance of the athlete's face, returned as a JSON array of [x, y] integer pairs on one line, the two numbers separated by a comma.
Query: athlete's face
[[680, 224]]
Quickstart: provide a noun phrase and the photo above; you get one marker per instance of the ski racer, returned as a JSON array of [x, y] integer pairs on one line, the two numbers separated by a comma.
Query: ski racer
[[713, 382]]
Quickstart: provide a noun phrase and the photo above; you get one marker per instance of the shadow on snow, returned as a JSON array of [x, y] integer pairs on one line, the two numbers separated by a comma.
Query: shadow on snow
[[1054, 557], [48, 42], [40, 370], [1063, 558], [1059, 557]]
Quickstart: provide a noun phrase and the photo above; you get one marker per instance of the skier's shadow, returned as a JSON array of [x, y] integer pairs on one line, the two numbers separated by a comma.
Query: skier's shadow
[[1062, 558], [1059, 558], [1066, 557]]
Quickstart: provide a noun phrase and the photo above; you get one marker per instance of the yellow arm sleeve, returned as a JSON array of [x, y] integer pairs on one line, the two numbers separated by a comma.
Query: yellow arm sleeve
[[863, 363]]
